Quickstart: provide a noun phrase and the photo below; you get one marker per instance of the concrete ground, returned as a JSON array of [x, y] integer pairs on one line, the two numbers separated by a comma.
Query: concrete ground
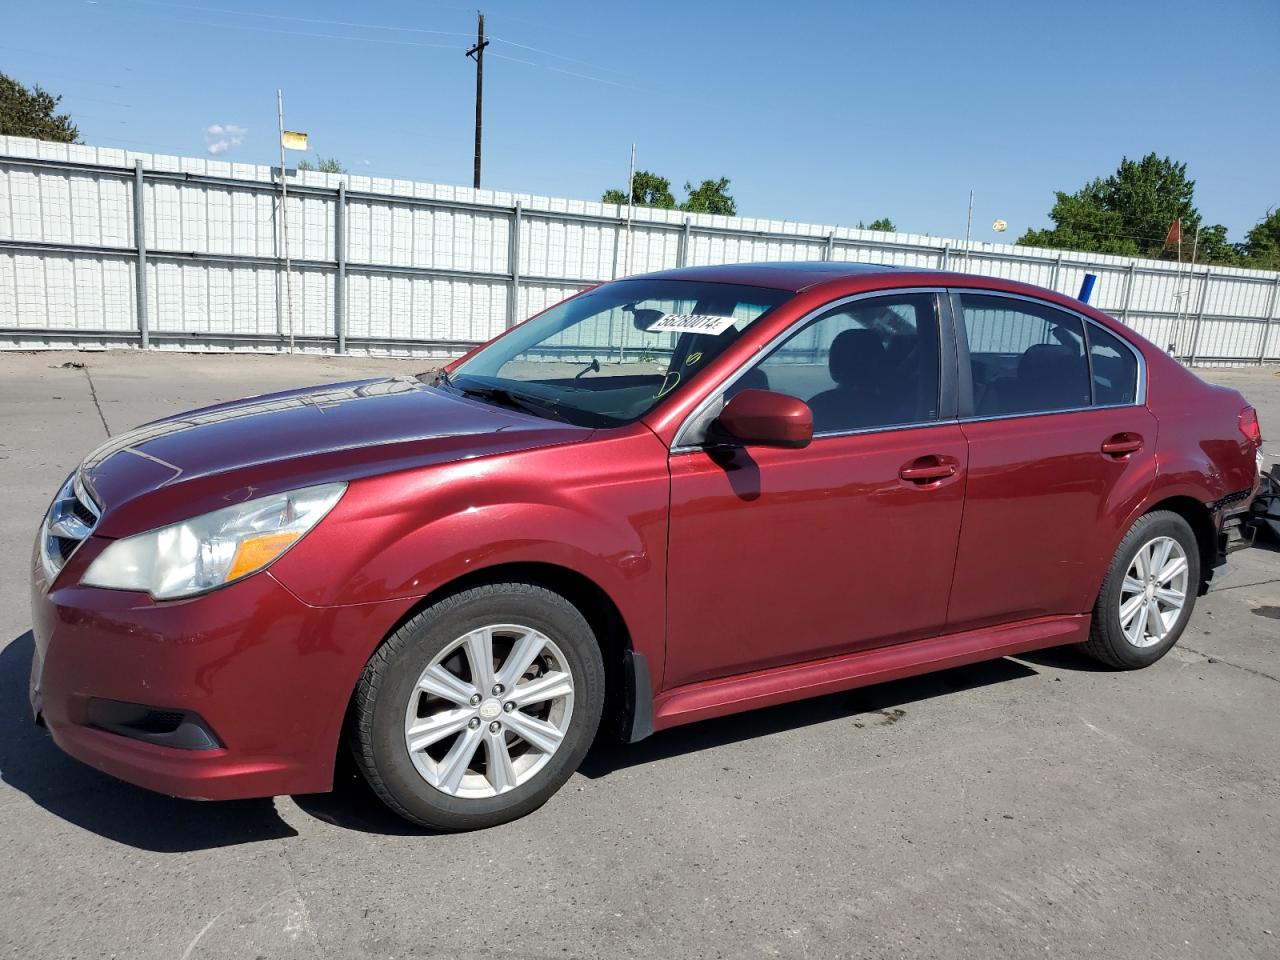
[[1029, 807]]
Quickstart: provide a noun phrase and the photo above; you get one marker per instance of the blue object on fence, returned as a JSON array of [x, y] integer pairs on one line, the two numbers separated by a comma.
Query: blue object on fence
[[1086, 287]]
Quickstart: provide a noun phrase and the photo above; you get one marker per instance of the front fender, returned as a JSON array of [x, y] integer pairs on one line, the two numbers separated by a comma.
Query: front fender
[[598, 509]]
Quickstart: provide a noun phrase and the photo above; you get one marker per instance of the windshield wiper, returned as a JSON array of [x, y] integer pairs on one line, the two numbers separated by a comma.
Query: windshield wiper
[[510, 398]]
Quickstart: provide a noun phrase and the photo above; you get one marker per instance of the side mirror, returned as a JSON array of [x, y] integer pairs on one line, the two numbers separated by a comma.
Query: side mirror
[[766, 419]]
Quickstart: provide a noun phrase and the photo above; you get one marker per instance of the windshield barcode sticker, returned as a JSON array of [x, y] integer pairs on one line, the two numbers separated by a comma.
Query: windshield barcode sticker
[[692, 323]]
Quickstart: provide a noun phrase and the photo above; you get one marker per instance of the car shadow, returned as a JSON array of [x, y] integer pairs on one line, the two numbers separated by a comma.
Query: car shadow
[[32, 764], [1066, 658], [1265, 543], [352, 805], [878, 704]]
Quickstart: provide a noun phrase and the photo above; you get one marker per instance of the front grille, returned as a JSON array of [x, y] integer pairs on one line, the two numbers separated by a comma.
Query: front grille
[[83, 513], [69, 522]]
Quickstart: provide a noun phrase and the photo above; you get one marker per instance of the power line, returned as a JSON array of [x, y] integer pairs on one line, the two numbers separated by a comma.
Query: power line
[[558, 56], [379, 40], [109, 103], [376, 26], [567, 73], [79, 61], [543, 25], [74, 82], [318, 36], [279, 32], [280, 16]]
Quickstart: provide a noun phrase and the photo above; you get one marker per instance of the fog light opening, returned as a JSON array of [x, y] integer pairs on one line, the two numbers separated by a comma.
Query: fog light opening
[[181, 729]]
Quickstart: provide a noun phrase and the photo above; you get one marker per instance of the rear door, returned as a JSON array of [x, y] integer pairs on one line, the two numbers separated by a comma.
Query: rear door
[[1059, 442], [779, 556]]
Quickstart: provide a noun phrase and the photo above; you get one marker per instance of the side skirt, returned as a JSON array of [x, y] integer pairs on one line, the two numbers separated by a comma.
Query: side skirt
[[764, 688]]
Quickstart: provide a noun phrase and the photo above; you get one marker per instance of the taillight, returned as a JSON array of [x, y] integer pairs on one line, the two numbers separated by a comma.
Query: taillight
[[1249, 426]]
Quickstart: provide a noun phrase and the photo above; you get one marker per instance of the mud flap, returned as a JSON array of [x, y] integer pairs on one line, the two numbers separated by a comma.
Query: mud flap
[[637, 714]]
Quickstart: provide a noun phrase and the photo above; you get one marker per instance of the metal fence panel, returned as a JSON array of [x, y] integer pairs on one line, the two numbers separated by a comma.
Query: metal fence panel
[[397, 266]]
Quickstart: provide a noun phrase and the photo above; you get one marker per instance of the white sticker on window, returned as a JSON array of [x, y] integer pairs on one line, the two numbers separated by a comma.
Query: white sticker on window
[[692, 323]]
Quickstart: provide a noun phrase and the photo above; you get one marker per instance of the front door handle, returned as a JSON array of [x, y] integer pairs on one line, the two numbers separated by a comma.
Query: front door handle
[[928, 469], [1121, 445]]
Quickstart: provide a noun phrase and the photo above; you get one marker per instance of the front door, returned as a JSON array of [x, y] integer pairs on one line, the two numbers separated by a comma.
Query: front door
[[781, 556]]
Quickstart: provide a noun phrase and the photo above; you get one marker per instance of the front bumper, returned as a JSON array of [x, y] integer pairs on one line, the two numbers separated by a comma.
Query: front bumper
[[270, 675]]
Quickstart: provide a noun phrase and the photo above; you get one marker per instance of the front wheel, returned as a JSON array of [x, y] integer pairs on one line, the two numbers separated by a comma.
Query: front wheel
[[1148, 595], [478, 709]]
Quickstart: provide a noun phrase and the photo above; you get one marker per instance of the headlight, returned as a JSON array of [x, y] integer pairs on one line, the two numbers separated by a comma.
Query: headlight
[[215, 549]]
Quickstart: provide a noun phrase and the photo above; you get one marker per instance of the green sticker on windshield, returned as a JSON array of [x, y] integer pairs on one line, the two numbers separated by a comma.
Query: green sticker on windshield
[[668, 384]]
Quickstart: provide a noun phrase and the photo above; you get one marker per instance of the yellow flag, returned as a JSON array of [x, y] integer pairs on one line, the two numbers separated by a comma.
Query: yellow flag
[[293, 140]]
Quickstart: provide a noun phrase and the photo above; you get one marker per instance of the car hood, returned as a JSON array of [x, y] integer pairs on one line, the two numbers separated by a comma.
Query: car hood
[[291, 439]]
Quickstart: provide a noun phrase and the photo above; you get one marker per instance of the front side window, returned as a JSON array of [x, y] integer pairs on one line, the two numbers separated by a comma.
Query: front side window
[[1024, 357], [865, 364], [609, 356]]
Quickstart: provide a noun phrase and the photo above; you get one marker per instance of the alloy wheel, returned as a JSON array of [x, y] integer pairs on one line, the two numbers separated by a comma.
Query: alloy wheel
[[1154, 592], [489, 711]]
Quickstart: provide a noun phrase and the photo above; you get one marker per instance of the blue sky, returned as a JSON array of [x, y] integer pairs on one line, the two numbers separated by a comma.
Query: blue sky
[[818, 111]]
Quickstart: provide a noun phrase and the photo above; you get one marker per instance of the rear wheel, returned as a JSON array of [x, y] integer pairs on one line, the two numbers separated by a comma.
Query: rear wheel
[[1148, 595], [478, 709]]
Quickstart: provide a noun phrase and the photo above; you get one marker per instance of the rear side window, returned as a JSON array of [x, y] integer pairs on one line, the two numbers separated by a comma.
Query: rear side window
[[1024, 357], [1115, 369]]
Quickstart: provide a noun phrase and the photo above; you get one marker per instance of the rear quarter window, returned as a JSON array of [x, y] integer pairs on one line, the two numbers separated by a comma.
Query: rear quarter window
[[1115, 369]]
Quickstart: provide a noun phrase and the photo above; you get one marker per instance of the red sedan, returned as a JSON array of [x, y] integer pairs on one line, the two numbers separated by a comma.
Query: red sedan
[[667, 498]]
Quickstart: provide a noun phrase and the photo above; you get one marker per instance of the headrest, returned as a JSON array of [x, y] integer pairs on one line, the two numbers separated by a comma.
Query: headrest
[[856, 356], [1043, 360]]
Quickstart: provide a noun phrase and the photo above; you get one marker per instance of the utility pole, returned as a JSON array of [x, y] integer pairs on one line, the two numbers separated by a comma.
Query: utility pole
[[476, 53]]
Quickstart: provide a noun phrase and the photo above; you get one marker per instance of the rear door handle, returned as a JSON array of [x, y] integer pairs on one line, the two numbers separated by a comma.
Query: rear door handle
[[1121, 445], [927, 469]]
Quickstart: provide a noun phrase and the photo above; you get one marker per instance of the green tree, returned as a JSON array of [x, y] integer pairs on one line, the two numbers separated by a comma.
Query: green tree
[[1261, 247], [1085, 222], [1129, 213], [29, 113], [884, 223], [322, 165], [710, 196], [647, 190]]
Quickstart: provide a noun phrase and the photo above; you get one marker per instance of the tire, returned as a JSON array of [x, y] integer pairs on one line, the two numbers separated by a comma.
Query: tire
[[1117, 638], [419, 685]]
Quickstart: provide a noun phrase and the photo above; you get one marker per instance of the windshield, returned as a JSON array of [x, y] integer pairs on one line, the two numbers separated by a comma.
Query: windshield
[[610, 355]]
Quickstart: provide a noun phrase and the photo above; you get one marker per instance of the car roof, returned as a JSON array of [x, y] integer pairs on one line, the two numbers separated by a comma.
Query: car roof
[[794, 276], [799, 276]]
